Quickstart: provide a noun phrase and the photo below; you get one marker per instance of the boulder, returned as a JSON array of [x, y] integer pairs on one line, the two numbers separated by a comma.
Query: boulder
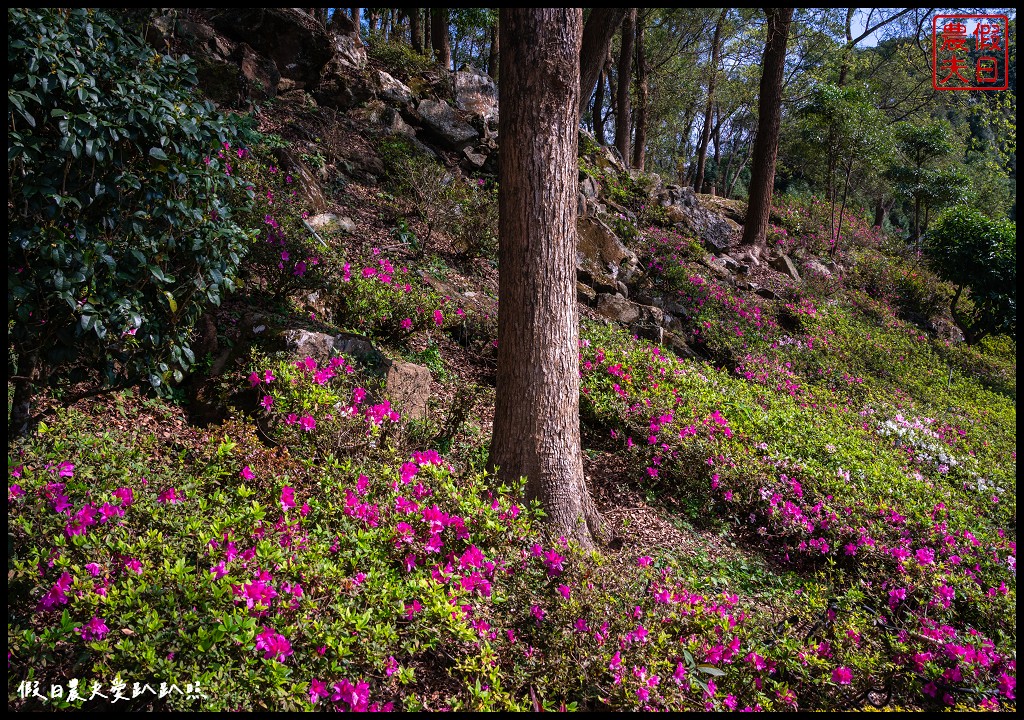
[[766, 293], [395, 124], [441, 121], [598, 243], [813, 266], [298, 44], [476, 94], [589, 187], [601, 282], [305, 343], [684, 208], [678, 344], [784, 265], [349, 51], [585, 294], [392, 90], [407, 387], [617, 308]]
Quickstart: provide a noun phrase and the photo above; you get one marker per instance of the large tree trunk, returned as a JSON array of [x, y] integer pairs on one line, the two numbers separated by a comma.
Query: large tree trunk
[[766, 144], [439, 37], [416, 29], [622, 118], [705, 136], [536, 416], [494, 54], [640, 139], [597, 38]]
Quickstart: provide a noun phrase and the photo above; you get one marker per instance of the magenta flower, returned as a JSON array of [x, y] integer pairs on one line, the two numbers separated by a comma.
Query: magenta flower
[[14, 491], [564, 591], [842, 676], [93, 569], [169, 496], [643, 561], [307, 423], [247, 473], [412, 608], [438, 318], [407, 324], [66, 469], [125, 495], [287, 497], [538, 612], [317, 690], [57, 594], [134, 565], [274, 645], [553, 561], [267, 402], [95, 629], [254, 379]]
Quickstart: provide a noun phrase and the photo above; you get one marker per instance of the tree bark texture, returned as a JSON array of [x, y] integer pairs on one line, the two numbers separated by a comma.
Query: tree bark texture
[[766, 144], [439, 37], [416, 29], [494, 54], [536, 420], [622, 117], [597, 38], [705, 136], [640, 133]]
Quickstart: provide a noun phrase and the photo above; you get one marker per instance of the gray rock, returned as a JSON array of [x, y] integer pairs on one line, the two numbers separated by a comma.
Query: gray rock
[[393, 90], [304, 343], [442, 121], [617, 308], [679, 346], [654, 333], [476, 94], [766, 293], [407, 386], [599, 243], [349, 50], [600, 281], [589, 187], [621, 287], [785, 265], [395, 124], [476, 160], [585, 294], [298, 44], [815, 267]]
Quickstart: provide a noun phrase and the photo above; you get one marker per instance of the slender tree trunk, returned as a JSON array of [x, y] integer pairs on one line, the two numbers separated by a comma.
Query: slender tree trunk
[[371, 24], [622, 119], [739, 171], [766, 144], [494, 54], [357, 17], [536, 417], [705, 136], [640, 139], [716, 140], [597, 39], [599, 110], [416, 29], [439, 37], [428, 45]]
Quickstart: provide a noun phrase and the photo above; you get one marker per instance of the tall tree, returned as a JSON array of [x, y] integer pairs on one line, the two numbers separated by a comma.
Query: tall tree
[[536, 418], [705, 136], [597, 38], [439, 37], [625, 72], [640, 139], [493, 53], [766, 144], [416, 29]]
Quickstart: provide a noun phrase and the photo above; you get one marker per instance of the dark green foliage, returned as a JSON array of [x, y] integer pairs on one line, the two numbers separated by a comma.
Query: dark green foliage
[[979, 254], [117, 233]]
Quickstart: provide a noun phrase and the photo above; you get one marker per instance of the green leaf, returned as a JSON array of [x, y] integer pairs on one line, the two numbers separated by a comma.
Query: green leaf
[[157, 153], [711, 670]]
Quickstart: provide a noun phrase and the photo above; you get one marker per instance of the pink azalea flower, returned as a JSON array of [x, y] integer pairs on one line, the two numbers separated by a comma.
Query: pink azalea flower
[[842, 676], [438, 318], [95, 629], [267, 402], [169, 496], [564, 591], [407, 324], [307, 423], [247, 473], [275, 646], [287, 497], [125, 495]]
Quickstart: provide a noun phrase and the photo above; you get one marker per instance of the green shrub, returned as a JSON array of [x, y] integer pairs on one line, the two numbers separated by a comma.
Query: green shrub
[[978, 254], [118, 233], [398, 57]]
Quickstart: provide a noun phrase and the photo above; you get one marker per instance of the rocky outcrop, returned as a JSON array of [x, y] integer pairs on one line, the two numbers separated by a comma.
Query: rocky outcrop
[[444, 125], [477, 95], [685, 210], [297, 43]]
